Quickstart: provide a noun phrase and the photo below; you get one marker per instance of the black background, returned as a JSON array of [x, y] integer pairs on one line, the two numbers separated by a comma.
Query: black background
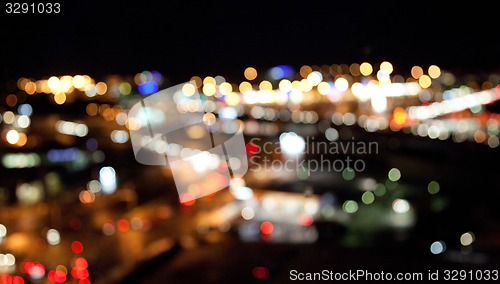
[[182, 39]]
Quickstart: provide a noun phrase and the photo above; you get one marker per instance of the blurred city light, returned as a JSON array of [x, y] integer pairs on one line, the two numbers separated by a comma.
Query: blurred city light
[[70, 177]]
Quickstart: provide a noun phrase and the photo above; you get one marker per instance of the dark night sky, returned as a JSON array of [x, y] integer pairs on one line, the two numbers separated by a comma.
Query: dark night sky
[[221, 38]]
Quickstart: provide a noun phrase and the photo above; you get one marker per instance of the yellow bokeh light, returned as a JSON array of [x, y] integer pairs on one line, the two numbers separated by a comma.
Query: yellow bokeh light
[[245, 87], [53, 84], [209, 80], [101, 88], [265, 86], [416, 72], [366, 69], [12, 136], [387, 67], [9, 117], [133, 123], [87, 81], [250, 73], [45, 86], [341, 84], [399, 115], [314, 78], [434, 71], [40, 86], [296, 85], [285, 86], [78, 81], [225, 88], [21, 83], [108, 114], [358, 90], [188, 89], [324, 88], [424, 81], [209, 89], [305, 86], [65, 84], [60, 98], [232, 99], [22, 139]]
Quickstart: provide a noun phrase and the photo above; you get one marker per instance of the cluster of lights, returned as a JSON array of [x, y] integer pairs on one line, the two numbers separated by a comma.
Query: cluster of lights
[[78, 264], [106, 184], [72, 128], [466, 241], [363, 83], [36, 271], [61, 88], [110, 227], [16, 124], [280, 95], [358, 82], [469, 101], [382, 93], [400, 212], [7, 263], [67, 89]]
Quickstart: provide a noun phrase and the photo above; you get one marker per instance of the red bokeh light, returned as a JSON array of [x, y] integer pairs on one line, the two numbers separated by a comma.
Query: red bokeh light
[[123, 225], [260, 272], [81, 262], [251, 148], [76, 247], [266, 228], [8, 279], [57, 276], [79, 273], [18, 280]]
